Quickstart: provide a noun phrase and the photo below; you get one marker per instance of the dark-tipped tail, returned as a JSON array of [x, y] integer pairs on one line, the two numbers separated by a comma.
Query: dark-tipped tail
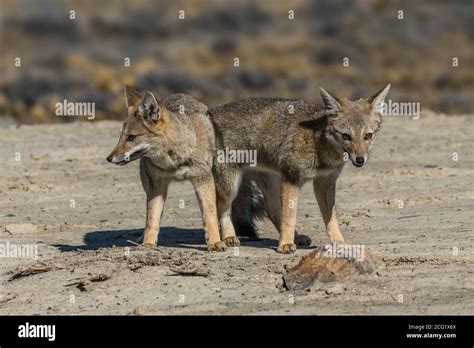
[[247, 207]]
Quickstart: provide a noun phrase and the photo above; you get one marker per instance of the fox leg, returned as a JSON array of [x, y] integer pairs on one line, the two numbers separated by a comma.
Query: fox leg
[[224, 213], [206, 194], [156, 192], [289, 201], [269, 184], [325, 191], [227, 189]]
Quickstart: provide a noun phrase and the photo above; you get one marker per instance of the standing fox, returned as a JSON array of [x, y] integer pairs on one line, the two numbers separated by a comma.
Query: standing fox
[[174, 140], [296, 142]]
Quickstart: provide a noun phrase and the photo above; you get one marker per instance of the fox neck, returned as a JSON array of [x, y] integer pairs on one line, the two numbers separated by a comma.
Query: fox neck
[[329, 153], [178, 146]]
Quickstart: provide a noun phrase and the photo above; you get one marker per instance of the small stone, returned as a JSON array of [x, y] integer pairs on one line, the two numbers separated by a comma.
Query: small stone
[[139, 310], [335, 289]]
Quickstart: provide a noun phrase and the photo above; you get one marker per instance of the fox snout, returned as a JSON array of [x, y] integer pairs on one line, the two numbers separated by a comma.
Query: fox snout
[[358, 158], [118, 155], [359, 161], [358, 153], [119, 160], [124, 154]]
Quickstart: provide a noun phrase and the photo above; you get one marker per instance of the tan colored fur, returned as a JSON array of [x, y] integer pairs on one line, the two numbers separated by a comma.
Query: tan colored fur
[[325, 192], [174, 140]]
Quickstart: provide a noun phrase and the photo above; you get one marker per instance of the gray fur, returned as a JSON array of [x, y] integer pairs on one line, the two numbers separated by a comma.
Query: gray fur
[[296, 141]]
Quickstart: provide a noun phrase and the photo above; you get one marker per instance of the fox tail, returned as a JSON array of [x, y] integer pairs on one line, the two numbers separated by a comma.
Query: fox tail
[[247, 207]]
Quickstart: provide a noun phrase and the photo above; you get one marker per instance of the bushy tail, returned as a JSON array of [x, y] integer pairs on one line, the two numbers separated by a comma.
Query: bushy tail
[[247, 207]]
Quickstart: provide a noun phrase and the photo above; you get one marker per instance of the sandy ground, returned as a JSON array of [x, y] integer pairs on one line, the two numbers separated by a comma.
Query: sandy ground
[[427, 243]]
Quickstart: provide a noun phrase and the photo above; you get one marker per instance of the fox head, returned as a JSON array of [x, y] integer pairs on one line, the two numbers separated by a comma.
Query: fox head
[[353, 125], [144, 130]]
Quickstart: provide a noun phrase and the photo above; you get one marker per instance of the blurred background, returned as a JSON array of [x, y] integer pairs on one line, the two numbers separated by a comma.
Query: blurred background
[[82, 59]]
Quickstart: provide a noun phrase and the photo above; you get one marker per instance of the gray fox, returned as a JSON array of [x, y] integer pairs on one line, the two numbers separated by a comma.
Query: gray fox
[[174, 140], [295, 142]]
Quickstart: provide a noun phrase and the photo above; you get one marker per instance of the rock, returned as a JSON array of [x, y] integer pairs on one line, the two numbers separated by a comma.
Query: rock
[[329, 264], [335, 289], [139, 310]]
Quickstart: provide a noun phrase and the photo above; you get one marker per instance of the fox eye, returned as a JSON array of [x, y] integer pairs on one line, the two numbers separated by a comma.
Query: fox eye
[[346, 136], [131, 137], [368, 136]]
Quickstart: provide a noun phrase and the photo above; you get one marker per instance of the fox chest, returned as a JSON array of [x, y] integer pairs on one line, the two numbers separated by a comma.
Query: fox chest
[[177, 170]]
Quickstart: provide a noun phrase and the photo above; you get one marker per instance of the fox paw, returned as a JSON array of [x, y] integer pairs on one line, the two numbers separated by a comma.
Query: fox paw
[[149, 242], [301, 239], [219, 246], [288, 248], [232, 241]]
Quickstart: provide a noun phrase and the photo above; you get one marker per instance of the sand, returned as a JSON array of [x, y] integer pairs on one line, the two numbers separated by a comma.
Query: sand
[[412, 205]]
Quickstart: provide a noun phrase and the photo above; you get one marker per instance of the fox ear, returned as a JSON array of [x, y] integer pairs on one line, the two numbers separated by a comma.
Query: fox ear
[[149, 107], [378, 98], [332, 104], [132, 97]]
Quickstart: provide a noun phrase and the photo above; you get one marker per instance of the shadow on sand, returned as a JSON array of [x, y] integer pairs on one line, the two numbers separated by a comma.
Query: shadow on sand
[[169, 237]]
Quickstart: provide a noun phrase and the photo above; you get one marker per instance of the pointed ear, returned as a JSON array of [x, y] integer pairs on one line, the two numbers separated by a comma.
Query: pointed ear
[[149, 108], [332, 104], [132, 97], [378, 99]]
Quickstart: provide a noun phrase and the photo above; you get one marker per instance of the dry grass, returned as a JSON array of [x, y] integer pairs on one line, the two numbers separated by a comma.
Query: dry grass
[[84, 58]]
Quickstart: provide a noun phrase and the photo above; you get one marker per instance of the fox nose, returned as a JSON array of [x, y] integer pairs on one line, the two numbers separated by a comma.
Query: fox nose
[[109, 159], [360, 160]]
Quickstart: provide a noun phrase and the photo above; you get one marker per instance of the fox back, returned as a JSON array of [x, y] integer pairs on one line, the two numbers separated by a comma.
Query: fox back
[[297, 138]]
